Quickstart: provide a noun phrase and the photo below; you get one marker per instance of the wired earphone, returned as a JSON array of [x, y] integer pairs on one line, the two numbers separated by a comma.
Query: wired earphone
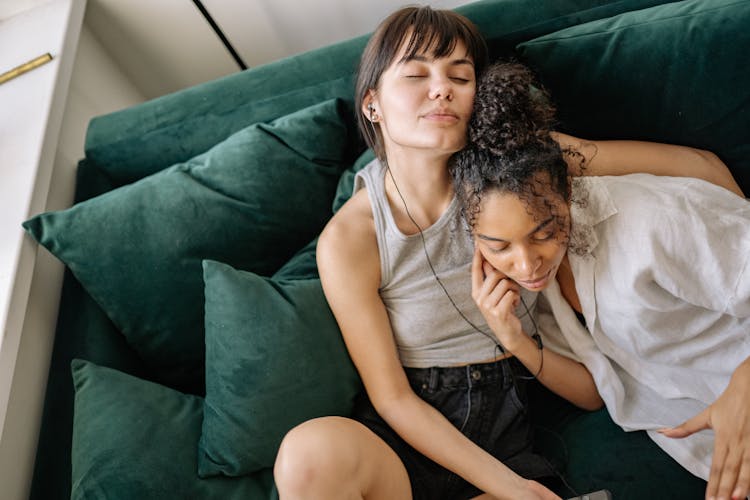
[[498, 346], [373, 117], [536, 337]]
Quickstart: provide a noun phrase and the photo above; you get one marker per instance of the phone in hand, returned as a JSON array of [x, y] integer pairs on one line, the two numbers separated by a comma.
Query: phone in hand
[[595, 495]]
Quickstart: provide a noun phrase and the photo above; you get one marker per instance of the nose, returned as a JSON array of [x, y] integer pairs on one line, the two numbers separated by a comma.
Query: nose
[[441, 88], [528, 262]]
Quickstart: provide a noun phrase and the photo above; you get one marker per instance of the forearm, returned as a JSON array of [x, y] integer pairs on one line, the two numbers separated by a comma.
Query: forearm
[[430, 433], [563, 376], [629, 157]]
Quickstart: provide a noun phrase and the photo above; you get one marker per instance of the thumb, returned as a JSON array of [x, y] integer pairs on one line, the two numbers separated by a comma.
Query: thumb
[[698, 423]]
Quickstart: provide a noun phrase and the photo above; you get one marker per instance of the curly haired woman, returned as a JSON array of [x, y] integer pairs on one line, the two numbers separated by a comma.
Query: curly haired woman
[[648, 278]]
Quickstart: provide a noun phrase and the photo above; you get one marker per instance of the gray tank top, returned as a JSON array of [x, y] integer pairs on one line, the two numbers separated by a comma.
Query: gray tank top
[[427, 328]]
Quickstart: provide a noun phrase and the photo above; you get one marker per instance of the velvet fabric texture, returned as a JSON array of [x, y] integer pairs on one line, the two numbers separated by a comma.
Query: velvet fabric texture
[[346, 182], [274, 358], [250, 201], [136, 439], [301, 266], [593, 452], [670, 73]]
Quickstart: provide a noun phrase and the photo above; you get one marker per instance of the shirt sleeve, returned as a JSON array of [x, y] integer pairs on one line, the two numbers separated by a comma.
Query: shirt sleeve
[[697, 239]]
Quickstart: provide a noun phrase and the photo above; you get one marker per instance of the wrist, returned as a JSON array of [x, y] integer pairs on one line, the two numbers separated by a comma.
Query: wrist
[[531, 354], [517, 487], [522, 347]]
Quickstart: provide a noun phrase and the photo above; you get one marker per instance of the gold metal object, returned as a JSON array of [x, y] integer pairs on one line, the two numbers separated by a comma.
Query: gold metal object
[[25, 67]]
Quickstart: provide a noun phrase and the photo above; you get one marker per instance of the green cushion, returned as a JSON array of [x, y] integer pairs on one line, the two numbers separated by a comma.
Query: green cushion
[[671, 73], [136, 439], [346, 182], [302, 265], [251, 201], [83, 331], [274, 358]]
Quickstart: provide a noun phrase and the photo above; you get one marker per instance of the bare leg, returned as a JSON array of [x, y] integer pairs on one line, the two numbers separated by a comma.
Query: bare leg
[[338, 458]]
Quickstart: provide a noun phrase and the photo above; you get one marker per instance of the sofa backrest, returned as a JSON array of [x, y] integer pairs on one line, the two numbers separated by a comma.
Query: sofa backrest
[[135, 142]]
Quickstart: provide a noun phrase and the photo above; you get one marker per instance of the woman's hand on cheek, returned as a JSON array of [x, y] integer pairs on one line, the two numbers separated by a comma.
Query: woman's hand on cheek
[[497, 297]]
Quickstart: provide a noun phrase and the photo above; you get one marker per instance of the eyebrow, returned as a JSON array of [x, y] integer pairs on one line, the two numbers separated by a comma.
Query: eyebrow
[[500, 240], [420, 58]]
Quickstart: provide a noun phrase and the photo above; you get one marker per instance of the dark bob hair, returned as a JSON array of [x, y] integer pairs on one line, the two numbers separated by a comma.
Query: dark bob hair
[[425, 31]]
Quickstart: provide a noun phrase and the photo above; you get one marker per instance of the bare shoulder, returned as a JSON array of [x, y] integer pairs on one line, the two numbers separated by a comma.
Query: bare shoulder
[[348, 241]]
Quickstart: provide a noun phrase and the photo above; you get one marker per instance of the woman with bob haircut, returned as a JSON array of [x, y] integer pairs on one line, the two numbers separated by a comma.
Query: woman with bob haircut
[[443, 414]]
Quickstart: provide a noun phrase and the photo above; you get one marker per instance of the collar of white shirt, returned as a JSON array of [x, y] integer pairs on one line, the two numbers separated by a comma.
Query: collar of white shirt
[[590, 204]]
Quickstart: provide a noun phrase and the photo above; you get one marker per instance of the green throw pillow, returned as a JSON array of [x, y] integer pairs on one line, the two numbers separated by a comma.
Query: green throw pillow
[[303, 265], [136, 439], [251, 201], [671, 73], [346, 183], [274, 358]]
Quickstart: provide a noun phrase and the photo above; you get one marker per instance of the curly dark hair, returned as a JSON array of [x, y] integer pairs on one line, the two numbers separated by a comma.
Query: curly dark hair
[[510, 148]]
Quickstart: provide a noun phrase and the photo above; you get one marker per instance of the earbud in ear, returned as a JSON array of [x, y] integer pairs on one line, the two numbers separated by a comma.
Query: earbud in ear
[[373, 115]]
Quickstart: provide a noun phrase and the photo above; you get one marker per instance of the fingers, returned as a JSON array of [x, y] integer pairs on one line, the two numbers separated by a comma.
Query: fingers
[[477, 274], [497, 292], [698, 423], [742, 487], [490, 288], [730, 471], [509, 301], [485, 278], [490, 269], [729, 417], [717, 466], [730, 465]]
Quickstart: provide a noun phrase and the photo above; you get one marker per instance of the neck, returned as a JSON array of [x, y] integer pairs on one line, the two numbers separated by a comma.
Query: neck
[[422, 180]]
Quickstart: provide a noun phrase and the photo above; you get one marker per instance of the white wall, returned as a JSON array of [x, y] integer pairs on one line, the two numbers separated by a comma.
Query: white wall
[[9, 8], [266, 30], [166, 45], [97, 86], [162, 46]]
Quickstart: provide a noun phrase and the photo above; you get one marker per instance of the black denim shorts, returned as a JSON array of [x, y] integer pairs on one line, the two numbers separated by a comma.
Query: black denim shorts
[[487, 403]]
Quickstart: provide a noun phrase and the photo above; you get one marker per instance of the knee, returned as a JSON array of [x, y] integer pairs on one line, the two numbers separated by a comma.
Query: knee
[[311, 458]]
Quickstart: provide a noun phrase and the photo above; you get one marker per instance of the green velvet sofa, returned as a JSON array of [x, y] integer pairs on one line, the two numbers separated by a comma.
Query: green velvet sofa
[[193, 331]]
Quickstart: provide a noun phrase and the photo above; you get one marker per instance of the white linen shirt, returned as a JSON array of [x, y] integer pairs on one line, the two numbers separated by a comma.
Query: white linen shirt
[[661, 270]]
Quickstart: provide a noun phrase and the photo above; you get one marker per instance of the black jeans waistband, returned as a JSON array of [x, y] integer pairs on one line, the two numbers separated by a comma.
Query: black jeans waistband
[[457, 377]]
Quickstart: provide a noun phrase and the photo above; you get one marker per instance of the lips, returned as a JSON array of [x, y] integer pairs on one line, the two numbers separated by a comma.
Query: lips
[[535, 282], [441, 115]]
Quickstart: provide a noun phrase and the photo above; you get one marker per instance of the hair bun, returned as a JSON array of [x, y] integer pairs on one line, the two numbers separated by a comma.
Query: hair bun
[[510, 110]]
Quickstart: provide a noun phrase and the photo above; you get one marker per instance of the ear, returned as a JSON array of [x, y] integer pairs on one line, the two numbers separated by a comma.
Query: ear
[[369, 104]]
